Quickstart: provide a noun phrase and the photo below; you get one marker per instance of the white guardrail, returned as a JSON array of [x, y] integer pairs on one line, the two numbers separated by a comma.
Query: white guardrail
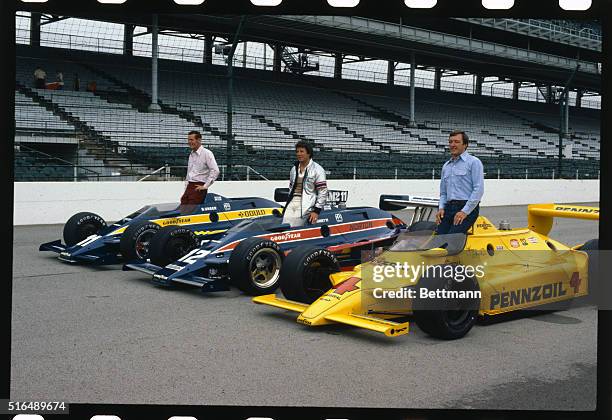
[[54, 202]]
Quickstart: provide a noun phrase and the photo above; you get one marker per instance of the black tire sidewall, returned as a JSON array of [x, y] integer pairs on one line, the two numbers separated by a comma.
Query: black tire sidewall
[[432, 319], [292, 273], [72, 234], [240, 260], [127, 243], [158, 252]]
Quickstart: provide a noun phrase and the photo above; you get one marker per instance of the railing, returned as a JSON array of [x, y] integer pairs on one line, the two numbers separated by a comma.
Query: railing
[[166, 169], [63, 161]]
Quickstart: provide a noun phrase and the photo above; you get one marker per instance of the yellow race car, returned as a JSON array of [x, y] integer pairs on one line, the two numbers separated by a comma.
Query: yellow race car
[[443, 282]]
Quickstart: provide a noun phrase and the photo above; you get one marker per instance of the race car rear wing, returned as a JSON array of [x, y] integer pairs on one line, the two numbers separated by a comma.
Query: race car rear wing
[[335, 198], [424, 207], [540, 216]]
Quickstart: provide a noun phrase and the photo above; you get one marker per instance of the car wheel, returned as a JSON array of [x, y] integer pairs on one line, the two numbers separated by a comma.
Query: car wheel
[[422, 225], [171, 243], [254, 266], [136, 240], [446, 318], [81, 226], [305, 274]]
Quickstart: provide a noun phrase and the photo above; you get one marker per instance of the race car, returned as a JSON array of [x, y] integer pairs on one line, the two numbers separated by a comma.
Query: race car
[[88, 238], [512, 269], [250, 255]]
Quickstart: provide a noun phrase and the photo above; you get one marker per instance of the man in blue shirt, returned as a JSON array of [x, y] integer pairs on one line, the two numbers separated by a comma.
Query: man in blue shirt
[[461, 187]]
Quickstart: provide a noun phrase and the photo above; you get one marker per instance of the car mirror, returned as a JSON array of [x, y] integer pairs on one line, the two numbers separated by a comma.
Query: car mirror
[[281, 195]]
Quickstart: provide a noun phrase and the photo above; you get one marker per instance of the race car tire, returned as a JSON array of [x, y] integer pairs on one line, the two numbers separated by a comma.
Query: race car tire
[[446, 318], [254, 266], [422, 225], [136, 240], [82, 225], [305, 274], [171, 243]]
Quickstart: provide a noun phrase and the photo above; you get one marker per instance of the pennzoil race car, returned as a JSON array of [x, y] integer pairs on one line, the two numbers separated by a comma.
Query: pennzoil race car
[[250, 255], [88, 239], [519, 269]]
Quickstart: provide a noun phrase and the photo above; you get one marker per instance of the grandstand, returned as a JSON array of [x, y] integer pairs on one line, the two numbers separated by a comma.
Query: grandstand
[[359, 129]]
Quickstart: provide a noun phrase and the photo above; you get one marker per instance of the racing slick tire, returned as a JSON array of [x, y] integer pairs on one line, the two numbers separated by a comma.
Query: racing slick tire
[[171, 243], [254, 266], [422, 225], [446, 318], [304, 276], [82, 225], [136, 240]]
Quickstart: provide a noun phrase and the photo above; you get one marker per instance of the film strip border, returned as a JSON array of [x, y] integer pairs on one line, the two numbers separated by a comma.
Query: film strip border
[[572, 9], [557, 8]]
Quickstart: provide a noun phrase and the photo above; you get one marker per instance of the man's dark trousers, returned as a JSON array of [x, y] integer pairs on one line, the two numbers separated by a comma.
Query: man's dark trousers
[[450, 209]]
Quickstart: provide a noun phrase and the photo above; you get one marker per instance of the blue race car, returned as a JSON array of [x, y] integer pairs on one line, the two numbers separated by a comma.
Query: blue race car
[[88, 239], [250, 255]]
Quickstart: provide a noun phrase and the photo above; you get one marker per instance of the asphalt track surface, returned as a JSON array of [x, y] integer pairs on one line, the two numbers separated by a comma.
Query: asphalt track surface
[[101, 335]]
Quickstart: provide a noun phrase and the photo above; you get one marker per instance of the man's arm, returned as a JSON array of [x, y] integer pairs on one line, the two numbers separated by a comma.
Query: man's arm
[[211, 162], [477, 174], [443, 192], [320, 185]]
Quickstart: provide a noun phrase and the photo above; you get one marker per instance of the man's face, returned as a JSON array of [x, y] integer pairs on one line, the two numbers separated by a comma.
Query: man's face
[[456, 146], [194, 142], [301, 154]]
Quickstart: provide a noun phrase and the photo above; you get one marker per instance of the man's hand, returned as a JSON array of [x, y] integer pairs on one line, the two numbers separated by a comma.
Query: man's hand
[[201, 188], [459, 217], [313, 217], [439, 216]]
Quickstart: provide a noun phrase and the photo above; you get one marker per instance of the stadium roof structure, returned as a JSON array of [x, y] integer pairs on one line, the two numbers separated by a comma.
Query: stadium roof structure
[[356, 36]]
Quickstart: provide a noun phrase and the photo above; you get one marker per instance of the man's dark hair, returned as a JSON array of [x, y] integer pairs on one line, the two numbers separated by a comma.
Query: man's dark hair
[[464, 137], [305, 145], [196, 132]]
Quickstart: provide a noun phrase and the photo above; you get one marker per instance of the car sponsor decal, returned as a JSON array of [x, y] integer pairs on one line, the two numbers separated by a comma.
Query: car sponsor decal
[[348, 285], [575, 281], [527, 295], [338, 217], [524, 242], [310, 233], [514, 243], [251, 213], [499, 247], [227, 206], [533, 239], [578, 209], [205, 218]]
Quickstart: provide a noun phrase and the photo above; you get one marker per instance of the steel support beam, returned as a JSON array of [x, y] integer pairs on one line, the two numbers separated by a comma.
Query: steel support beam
[[390, 72], [154, 57], [208, 49], [338, 66], [35, 29]]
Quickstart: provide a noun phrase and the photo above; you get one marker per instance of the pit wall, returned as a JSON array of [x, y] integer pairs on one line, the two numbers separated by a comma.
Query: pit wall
[[54, 202]]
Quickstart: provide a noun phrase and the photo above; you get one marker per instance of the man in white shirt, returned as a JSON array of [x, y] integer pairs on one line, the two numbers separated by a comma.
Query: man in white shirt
[[40, 77], [202, 170]]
